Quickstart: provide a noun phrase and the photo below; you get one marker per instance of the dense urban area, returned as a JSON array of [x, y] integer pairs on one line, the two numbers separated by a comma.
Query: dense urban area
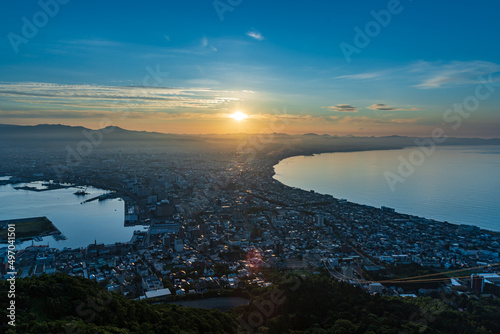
[[216, 221]]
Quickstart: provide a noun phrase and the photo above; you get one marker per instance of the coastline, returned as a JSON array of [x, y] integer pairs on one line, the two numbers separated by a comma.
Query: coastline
[[268, 162], [277, 161]]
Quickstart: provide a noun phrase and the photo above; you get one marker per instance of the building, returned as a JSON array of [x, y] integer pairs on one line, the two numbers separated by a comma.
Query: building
[[167, 227], [491, 278], [157, 293], [347, 272], [164, 208], [152, 199], [131, 217], [151, 283], [477, 283], [387, 209], [179, 245], [319, 220], [376, 287]]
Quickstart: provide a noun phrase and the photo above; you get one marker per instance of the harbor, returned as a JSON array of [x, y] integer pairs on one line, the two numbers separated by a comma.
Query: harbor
[[101, 217]]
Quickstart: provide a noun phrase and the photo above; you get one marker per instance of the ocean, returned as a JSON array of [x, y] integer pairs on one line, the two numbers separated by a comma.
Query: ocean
[[460, 185]]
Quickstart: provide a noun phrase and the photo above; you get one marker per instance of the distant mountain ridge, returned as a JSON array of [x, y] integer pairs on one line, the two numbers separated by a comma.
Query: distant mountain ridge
[[58, 137]]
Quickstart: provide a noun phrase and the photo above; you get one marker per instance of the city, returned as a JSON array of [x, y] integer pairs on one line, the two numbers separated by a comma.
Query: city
[[214, 221]]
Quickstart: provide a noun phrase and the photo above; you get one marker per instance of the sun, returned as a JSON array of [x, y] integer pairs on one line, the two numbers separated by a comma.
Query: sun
[[239, 116]]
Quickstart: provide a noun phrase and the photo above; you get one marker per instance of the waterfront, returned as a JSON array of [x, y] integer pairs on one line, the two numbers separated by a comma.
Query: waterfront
[[455, 184], [238, 232], [81, 224]]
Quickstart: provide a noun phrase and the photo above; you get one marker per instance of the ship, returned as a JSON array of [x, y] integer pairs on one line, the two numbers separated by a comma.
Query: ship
[[81, 192]]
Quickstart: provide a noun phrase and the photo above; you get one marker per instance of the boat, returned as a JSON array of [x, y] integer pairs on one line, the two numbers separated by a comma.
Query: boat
[[81, 192]]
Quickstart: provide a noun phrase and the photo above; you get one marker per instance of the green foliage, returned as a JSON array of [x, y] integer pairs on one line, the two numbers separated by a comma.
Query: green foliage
[[221, 269], [65, 304], [315, 304]]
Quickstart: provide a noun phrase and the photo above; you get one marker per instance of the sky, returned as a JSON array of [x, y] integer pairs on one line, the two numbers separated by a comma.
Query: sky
[[363, 68]]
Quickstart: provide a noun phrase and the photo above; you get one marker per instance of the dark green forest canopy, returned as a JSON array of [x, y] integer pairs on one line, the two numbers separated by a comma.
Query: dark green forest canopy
[[65, 304]]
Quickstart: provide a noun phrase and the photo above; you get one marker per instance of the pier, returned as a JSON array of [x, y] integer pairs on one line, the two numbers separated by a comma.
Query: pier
[[102, 197]]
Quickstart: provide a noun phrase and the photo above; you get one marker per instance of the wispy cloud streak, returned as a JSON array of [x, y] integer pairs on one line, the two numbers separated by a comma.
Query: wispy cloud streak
[[255, 34], [342, 108], [94, 96]]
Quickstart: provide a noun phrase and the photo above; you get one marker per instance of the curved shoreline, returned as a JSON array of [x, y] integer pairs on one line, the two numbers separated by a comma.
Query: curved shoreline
[[277, 161]]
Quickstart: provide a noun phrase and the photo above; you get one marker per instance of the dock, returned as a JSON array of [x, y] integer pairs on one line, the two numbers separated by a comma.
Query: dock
[[102, 197]]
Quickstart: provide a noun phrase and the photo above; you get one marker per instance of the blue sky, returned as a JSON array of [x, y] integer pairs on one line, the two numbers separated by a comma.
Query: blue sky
[[91, 58]]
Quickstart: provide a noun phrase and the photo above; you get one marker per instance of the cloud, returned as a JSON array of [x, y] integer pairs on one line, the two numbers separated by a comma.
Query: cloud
[[437, 75], [370, 120], [204, 44], [385, 107], [86, 97], [93, 43], [204, 82], [342, 108], [255, 34], [157, 115], [429, 75], [43, 114], [361, 76]]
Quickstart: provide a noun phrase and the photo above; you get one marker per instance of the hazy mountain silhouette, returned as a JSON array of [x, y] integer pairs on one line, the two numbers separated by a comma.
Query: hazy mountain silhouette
[[57, 137]]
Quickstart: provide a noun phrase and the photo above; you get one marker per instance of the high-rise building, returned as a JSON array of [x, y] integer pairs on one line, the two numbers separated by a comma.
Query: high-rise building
[[179, 245], [477, 283]]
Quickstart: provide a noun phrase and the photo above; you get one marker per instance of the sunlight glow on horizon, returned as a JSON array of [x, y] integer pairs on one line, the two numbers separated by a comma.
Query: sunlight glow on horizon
[[239, 116]]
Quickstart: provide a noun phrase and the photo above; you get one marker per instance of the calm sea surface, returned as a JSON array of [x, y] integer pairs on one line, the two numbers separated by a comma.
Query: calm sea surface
[[82, 224], [460, 185]]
